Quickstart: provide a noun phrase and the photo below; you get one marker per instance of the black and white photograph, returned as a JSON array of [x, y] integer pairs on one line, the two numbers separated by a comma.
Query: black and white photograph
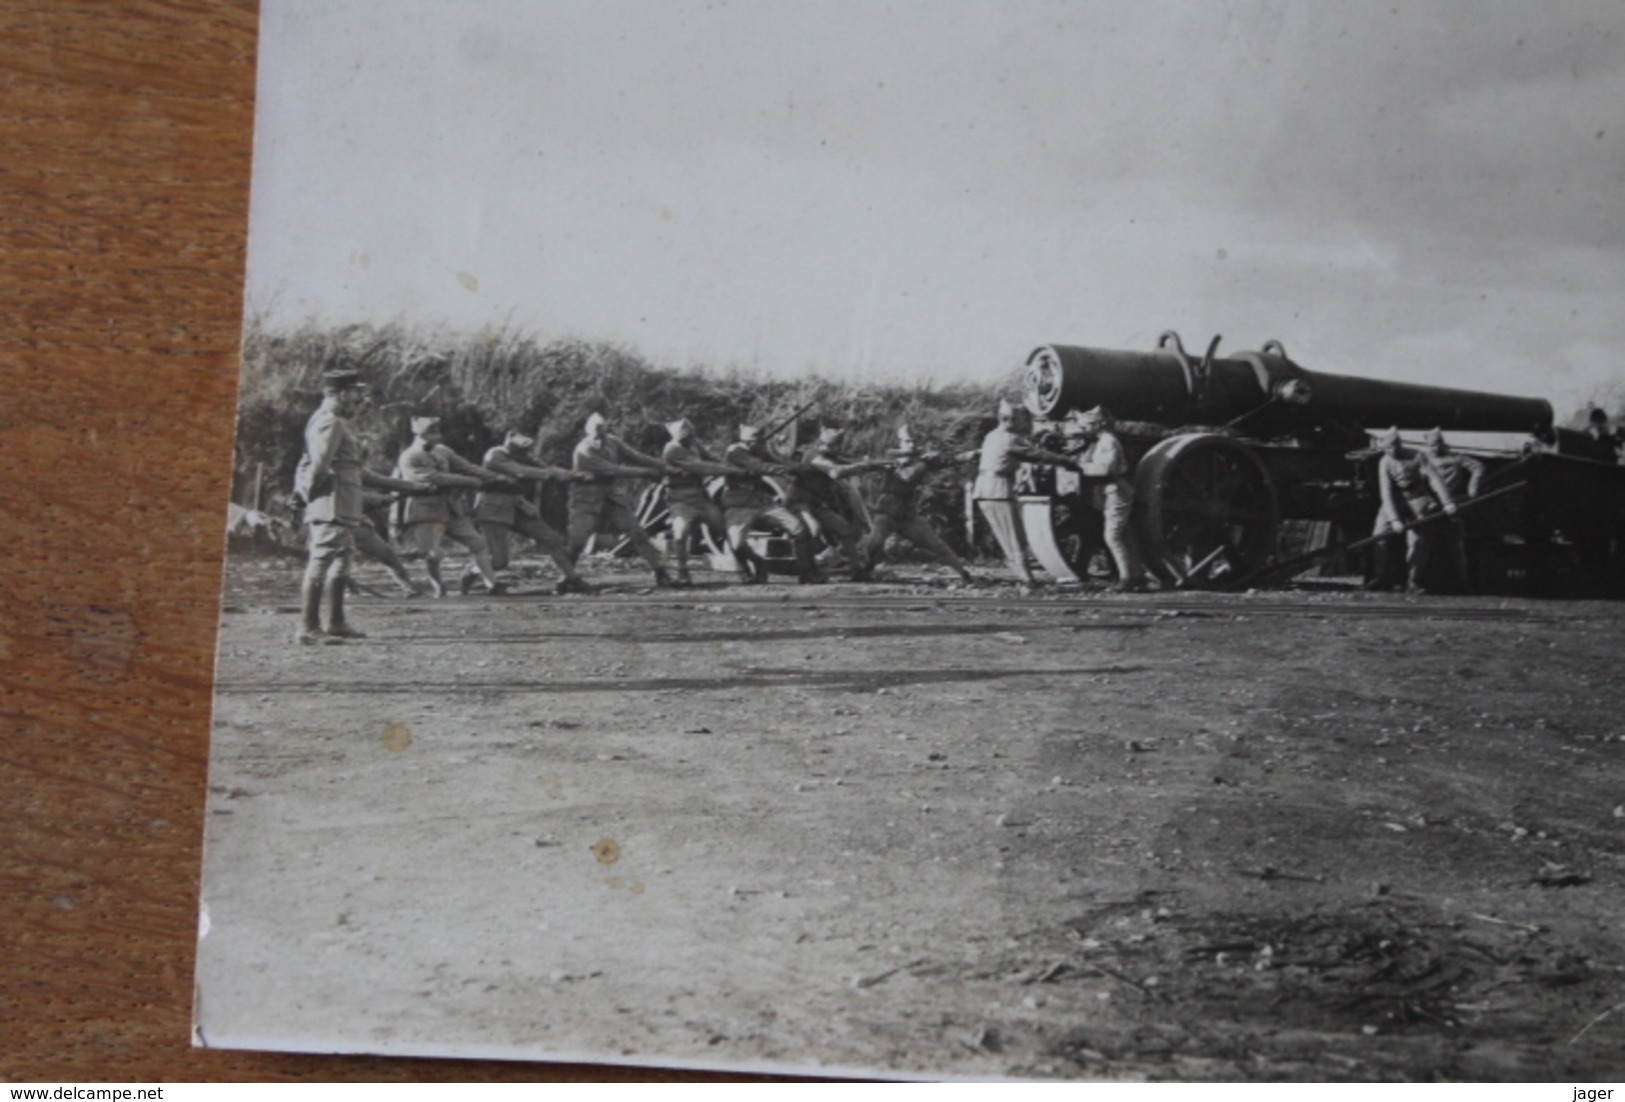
[[1024, 540]]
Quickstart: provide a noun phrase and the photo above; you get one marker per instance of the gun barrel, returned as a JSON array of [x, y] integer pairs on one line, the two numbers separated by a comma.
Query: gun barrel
[[1274, 395]]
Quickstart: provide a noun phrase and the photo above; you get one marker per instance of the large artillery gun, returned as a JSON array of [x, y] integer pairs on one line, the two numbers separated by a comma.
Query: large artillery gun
[[1232, 452]]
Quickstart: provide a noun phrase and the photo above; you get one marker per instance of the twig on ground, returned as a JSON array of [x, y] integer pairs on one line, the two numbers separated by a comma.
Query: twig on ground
[[1594, 1021], [1505, 922], [1130, 980], [882, 977]]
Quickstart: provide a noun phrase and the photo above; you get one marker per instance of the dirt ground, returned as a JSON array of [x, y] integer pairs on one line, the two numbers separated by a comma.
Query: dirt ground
[[913, 829]]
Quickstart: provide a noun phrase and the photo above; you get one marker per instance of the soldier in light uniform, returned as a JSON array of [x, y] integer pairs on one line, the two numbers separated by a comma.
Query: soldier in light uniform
[[602, 501], [1003, 450], [1411, 491], [750, 498], [897, 511], [503, 510], [817, 494], [426, 520], [691, 464], [330, 480], [1104, 463], [1461, 475]]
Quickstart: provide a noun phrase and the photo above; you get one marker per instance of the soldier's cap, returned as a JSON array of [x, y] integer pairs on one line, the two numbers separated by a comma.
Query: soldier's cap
[[1006, 409], [679, 427], [905, 442], [1597, 416], [1433, 436], [594, 420], [828, 434], [749, 434], [517, 439], [421, 425], [342, 378], [1387, 438]]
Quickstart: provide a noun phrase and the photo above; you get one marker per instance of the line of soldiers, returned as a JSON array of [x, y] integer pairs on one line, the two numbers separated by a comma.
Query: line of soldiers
[[801, 498]]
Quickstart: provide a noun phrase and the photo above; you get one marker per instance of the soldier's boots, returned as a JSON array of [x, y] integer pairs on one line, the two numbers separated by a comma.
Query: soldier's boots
[[574, 584], [663, 579]]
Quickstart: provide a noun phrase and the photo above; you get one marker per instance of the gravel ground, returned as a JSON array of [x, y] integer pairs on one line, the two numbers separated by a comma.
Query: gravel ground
[[914, 829]]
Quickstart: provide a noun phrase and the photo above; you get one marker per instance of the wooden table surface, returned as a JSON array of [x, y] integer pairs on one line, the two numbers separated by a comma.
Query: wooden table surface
[[125, 134]]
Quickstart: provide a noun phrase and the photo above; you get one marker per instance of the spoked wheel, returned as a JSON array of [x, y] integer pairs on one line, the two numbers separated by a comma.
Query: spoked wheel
[[1210, 512]]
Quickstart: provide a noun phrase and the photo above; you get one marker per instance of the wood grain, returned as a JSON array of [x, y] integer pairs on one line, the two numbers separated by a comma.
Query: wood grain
[[125, 137]]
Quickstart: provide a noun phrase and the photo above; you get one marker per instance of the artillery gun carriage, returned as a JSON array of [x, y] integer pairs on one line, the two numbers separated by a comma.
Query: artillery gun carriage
[[1230, 453]]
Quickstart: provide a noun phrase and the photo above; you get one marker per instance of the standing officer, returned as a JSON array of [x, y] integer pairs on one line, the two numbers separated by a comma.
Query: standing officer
[[330, 480], [427, 519], [898, 509], [687, 503], [602, 500], [503, 510]]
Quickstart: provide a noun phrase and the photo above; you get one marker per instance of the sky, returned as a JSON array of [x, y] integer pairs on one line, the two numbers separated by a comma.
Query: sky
[[915, 190]]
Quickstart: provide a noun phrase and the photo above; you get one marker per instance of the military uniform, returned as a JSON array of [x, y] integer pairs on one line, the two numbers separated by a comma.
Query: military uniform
[[426, 520], [896, 511], [372, 544], [817, 494], [748, 499], [1461, 475], [502, 510], [605, 501], [329, 481], [1411, 491], [995, 495], [690, 465], [686, 496], [1105, 463]]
